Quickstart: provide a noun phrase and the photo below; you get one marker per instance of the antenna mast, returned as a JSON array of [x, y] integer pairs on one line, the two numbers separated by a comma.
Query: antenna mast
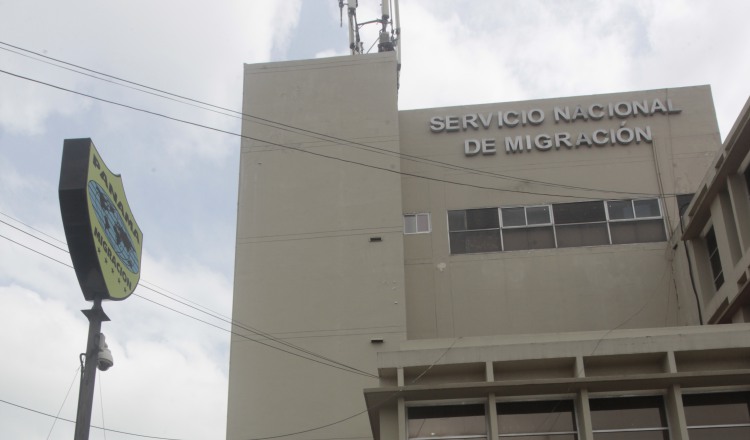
[[389, 37]]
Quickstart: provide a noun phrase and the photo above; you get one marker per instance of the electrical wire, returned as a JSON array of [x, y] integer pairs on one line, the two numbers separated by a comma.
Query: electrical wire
[[215, 315], [93, 426], [312, 356], [289, 128], [302, 150], [363, 164]]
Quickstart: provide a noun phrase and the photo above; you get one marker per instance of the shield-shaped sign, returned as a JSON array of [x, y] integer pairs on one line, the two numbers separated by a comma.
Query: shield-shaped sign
[[104, 240]]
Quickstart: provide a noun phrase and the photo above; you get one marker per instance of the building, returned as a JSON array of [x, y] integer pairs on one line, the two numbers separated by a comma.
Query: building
[[498, 270]]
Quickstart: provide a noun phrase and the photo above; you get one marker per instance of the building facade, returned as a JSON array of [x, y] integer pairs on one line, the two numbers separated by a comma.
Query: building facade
[[512, 269]]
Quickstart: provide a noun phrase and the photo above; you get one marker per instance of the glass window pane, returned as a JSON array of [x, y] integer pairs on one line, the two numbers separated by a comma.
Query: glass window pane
[[716, 408], [528, 238], [715, 264], [410, 224], [643, 231], [627, 413], [446, 421], [581, 212], [475, 241], [728, 433], [457, 220], [683, 200], [513, 217], [711, 241], [541, 437], [592, 234], [620, 209], [534, 417], [637, 435], [647, 208], [423, 222], [482, 218], [457, 243], [538, 215]]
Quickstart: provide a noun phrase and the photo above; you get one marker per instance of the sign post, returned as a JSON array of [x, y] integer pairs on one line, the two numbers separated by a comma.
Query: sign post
[[105, 246], [88, 376]]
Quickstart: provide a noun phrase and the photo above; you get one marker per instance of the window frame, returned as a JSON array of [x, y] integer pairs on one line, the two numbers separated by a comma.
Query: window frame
[[416, 216], [733, 397], [717, 280], [447, 404], [569, 403], [598, 209], [632, 206], [662, 408]]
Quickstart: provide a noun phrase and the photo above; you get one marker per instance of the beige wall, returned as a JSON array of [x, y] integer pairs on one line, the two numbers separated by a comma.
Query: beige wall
[[574, 289], [306, 270]]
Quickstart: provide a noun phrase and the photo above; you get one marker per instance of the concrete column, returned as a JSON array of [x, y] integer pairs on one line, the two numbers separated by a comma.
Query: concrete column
[[583, 415], [402, 428], [676, 413], [492, 416]]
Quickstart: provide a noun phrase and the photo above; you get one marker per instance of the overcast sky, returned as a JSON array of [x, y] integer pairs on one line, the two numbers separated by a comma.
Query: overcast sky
[[170, 373]]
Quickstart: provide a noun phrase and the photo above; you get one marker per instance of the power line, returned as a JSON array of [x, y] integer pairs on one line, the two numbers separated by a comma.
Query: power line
[[211, 313], [323, 360], [290, 128], [208, 311], [93, 426], [302, 150]]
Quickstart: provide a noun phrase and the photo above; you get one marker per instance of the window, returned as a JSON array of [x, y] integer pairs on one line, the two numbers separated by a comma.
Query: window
[[559, 225], [527, 227], [553, 420], [641, 418], [580, 224], [474, 231], [723, 416], [635, 221], [683, 201], [714, 259], [447, 422], [416, 223]]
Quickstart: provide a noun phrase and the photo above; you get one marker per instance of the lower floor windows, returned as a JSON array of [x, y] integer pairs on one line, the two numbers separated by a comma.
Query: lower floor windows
[[447, 422], [708, 416], [625, 418], [723, 416], [554, 420]]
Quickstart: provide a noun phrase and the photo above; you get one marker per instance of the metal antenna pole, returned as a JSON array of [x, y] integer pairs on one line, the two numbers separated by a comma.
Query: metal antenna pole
[[86, 394]]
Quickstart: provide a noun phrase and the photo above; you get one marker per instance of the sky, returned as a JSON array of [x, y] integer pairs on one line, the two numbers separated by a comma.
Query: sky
[[170, 374]]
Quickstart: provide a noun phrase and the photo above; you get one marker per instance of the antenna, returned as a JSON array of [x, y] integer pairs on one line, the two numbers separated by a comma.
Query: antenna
[[388, 36]]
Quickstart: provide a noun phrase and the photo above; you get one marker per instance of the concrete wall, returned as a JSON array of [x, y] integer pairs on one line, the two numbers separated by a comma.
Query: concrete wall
[[573, 289], [306, 269]]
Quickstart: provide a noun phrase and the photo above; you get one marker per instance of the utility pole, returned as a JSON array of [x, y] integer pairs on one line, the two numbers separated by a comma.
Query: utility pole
[[95, 316]]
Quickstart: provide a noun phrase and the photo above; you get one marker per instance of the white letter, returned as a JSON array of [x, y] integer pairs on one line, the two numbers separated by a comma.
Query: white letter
[[488, 146], [451, 123], [514, 144], [436, 124], [471, 147]]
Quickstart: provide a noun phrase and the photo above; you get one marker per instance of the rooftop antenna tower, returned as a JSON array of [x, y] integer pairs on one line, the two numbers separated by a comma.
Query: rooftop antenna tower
[[389, 36]]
